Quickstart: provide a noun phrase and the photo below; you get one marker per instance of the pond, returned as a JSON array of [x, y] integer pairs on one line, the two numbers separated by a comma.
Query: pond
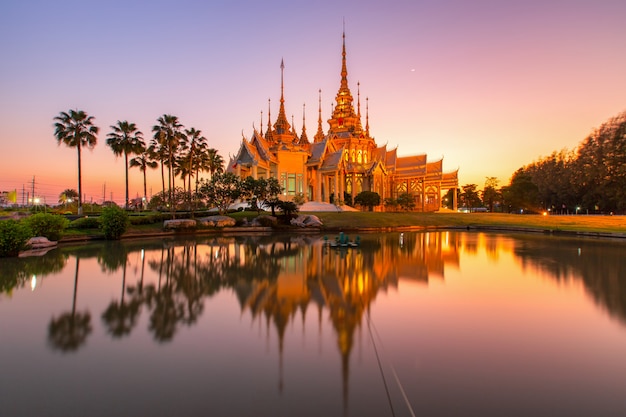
[[437, 324]]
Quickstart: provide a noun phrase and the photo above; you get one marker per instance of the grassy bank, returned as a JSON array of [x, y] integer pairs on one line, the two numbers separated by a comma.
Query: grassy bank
[[579, 223], [370, 220]]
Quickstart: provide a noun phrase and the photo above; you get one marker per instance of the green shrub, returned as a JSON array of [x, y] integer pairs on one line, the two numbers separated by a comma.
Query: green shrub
[[113, 222], [367, 199], [85, 223], [13, 237], [47, 225], [144, 219], [266, 221]]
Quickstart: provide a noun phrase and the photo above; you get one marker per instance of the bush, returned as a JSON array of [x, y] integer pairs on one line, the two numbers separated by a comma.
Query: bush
[[85, 223], [47, 225], [367, 199], [13, 237], [144, 219], [113, 222]]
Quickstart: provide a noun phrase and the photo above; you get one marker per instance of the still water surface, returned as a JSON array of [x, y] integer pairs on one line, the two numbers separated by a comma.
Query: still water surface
[[436, 324]]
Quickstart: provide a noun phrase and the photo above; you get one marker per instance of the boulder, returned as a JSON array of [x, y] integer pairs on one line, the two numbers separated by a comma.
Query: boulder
[[306, 220], [177, 224], [40, 242], [217, 221]]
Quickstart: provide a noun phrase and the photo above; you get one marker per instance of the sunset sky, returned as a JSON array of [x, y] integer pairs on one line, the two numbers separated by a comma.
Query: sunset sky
[[489, 85]]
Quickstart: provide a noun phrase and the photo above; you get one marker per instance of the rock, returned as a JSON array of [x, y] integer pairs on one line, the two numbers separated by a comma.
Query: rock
[[217, 221], [306, 220], [179, 224], [40, 242]]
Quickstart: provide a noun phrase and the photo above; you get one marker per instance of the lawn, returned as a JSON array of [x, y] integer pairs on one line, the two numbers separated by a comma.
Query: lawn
[[581, 223], [387, 221]]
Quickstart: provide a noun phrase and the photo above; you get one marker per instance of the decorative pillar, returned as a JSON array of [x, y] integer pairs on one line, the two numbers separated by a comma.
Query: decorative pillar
[[305, 184], [336, 186], [353, 191], [318, 185], [454, 203], [342, 184]]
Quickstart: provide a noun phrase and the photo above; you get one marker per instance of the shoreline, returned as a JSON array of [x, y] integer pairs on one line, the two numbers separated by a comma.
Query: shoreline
[[242, 230]]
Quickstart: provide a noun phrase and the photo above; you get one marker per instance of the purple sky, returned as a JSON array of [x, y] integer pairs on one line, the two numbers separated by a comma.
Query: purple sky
[[488, 85]]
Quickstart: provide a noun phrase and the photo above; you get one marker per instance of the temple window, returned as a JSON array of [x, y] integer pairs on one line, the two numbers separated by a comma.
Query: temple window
[[291, 183], [283, 182], [359, 157], [299, 183]]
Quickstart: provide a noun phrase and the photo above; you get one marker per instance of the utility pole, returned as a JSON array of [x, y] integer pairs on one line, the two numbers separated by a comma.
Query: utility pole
[[33, 194]]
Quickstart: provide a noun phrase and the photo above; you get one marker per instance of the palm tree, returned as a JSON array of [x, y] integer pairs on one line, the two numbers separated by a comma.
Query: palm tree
[[168, 134], [196, 145], [76, 129], [126, 139], [144, 161], [68, 196], [157, 153], [215, 162]]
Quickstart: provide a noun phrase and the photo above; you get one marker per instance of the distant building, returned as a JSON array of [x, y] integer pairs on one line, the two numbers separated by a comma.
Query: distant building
[[344, 160], [8, 198]]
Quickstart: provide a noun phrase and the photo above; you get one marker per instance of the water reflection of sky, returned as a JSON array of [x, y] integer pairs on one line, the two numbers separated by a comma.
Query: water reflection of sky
[[467, 324]]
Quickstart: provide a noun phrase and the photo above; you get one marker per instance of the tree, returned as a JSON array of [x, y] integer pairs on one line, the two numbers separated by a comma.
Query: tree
[[125, 139], [76, 130], [288, 208], [144, 161], [271, 193], [367, 199], [406, 201], [195, 146], [215, 162], [167, 139], [470, 197], [261, 192], [222, 190], [68, 196], [491, 194], [522, 193]]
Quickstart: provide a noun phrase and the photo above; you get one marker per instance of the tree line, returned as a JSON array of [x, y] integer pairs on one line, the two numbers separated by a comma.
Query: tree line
[[184, 153], [588, 179]]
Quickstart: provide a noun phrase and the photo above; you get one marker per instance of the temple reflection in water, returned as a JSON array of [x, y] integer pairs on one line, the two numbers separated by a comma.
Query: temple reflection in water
[[182, 303]]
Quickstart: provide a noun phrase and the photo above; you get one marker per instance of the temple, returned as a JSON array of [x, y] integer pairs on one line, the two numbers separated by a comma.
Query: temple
[[343, 162]]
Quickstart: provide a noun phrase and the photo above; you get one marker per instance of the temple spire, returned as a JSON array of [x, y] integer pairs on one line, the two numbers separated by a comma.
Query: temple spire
[[281, 127], [304, 140], [343, 119], [359, 126], [319, 135], [367, 116], [268, 135]]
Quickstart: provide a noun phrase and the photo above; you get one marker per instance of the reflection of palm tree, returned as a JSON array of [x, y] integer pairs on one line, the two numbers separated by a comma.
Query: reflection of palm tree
[[69, 331], [165, 315], [120, 318]]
